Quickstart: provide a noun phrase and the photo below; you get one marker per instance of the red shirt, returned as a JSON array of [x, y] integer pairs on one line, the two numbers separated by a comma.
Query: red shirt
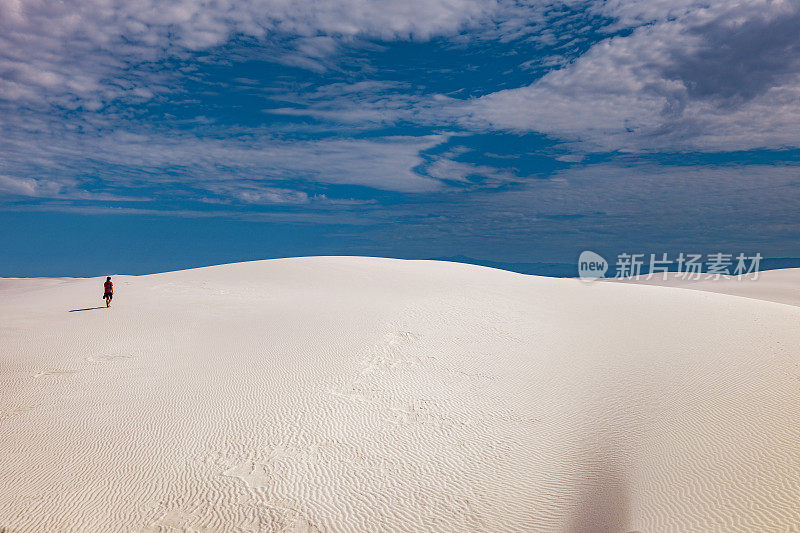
[[109, 287]]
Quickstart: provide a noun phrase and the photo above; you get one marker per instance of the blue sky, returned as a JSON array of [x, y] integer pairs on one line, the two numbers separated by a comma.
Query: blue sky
[[137, 137]]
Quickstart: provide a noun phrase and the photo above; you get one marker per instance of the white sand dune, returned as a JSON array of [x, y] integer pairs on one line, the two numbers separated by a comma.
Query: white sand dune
[[355, 394], [781, 285]]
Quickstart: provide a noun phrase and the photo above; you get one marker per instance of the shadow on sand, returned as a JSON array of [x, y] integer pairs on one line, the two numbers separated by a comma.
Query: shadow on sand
[[87, 309], [603, 503]]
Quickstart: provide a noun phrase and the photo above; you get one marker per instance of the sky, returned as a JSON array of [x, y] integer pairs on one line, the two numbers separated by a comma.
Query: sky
[[140, 136]]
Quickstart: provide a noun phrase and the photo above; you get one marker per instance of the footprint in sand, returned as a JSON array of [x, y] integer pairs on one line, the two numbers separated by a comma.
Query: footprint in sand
[[54, 373], [278, 461], [5, 414], [254, 475], [295, 522], [424, 412], [106, 358], [475, 376], [260, 475], [391, 355], [174, 519], [357, 391]]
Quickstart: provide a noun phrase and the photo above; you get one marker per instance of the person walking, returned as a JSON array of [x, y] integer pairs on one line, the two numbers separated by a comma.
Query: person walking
[[108, 287]]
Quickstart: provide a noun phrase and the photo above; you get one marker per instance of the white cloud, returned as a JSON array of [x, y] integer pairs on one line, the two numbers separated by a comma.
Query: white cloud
[[634, 13], [689, 75], [74, 52], [723, 77], [25, 186], [253, 192], [570, 158], [676, 194], [66, 189], [637, 207], [366, 104], [483, 176], [178, 160]]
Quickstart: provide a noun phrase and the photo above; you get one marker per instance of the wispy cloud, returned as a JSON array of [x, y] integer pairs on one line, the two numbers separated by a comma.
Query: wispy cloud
[[228, 164]]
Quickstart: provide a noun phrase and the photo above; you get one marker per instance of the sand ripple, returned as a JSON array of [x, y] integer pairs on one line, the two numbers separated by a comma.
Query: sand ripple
[[363, 395]]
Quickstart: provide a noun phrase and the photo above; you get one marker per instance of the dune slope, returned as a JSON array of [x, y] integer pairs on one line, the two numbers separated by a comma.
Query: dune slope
[[782, 285], [357, 394]]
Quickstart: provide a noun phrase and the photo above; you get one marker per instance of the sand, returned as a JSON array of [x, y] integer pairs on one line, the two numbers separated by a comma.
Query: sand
[[781, 285], [357, 394]]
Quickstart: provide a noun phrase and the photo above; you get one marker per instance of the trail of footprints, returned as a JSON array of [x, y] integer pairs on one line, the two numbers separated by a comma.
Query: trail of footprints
[[15, 410], [369, 386], [267, 477], [391, 355], [400, 352], [106, 358], [55, 372], [94, 359]]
